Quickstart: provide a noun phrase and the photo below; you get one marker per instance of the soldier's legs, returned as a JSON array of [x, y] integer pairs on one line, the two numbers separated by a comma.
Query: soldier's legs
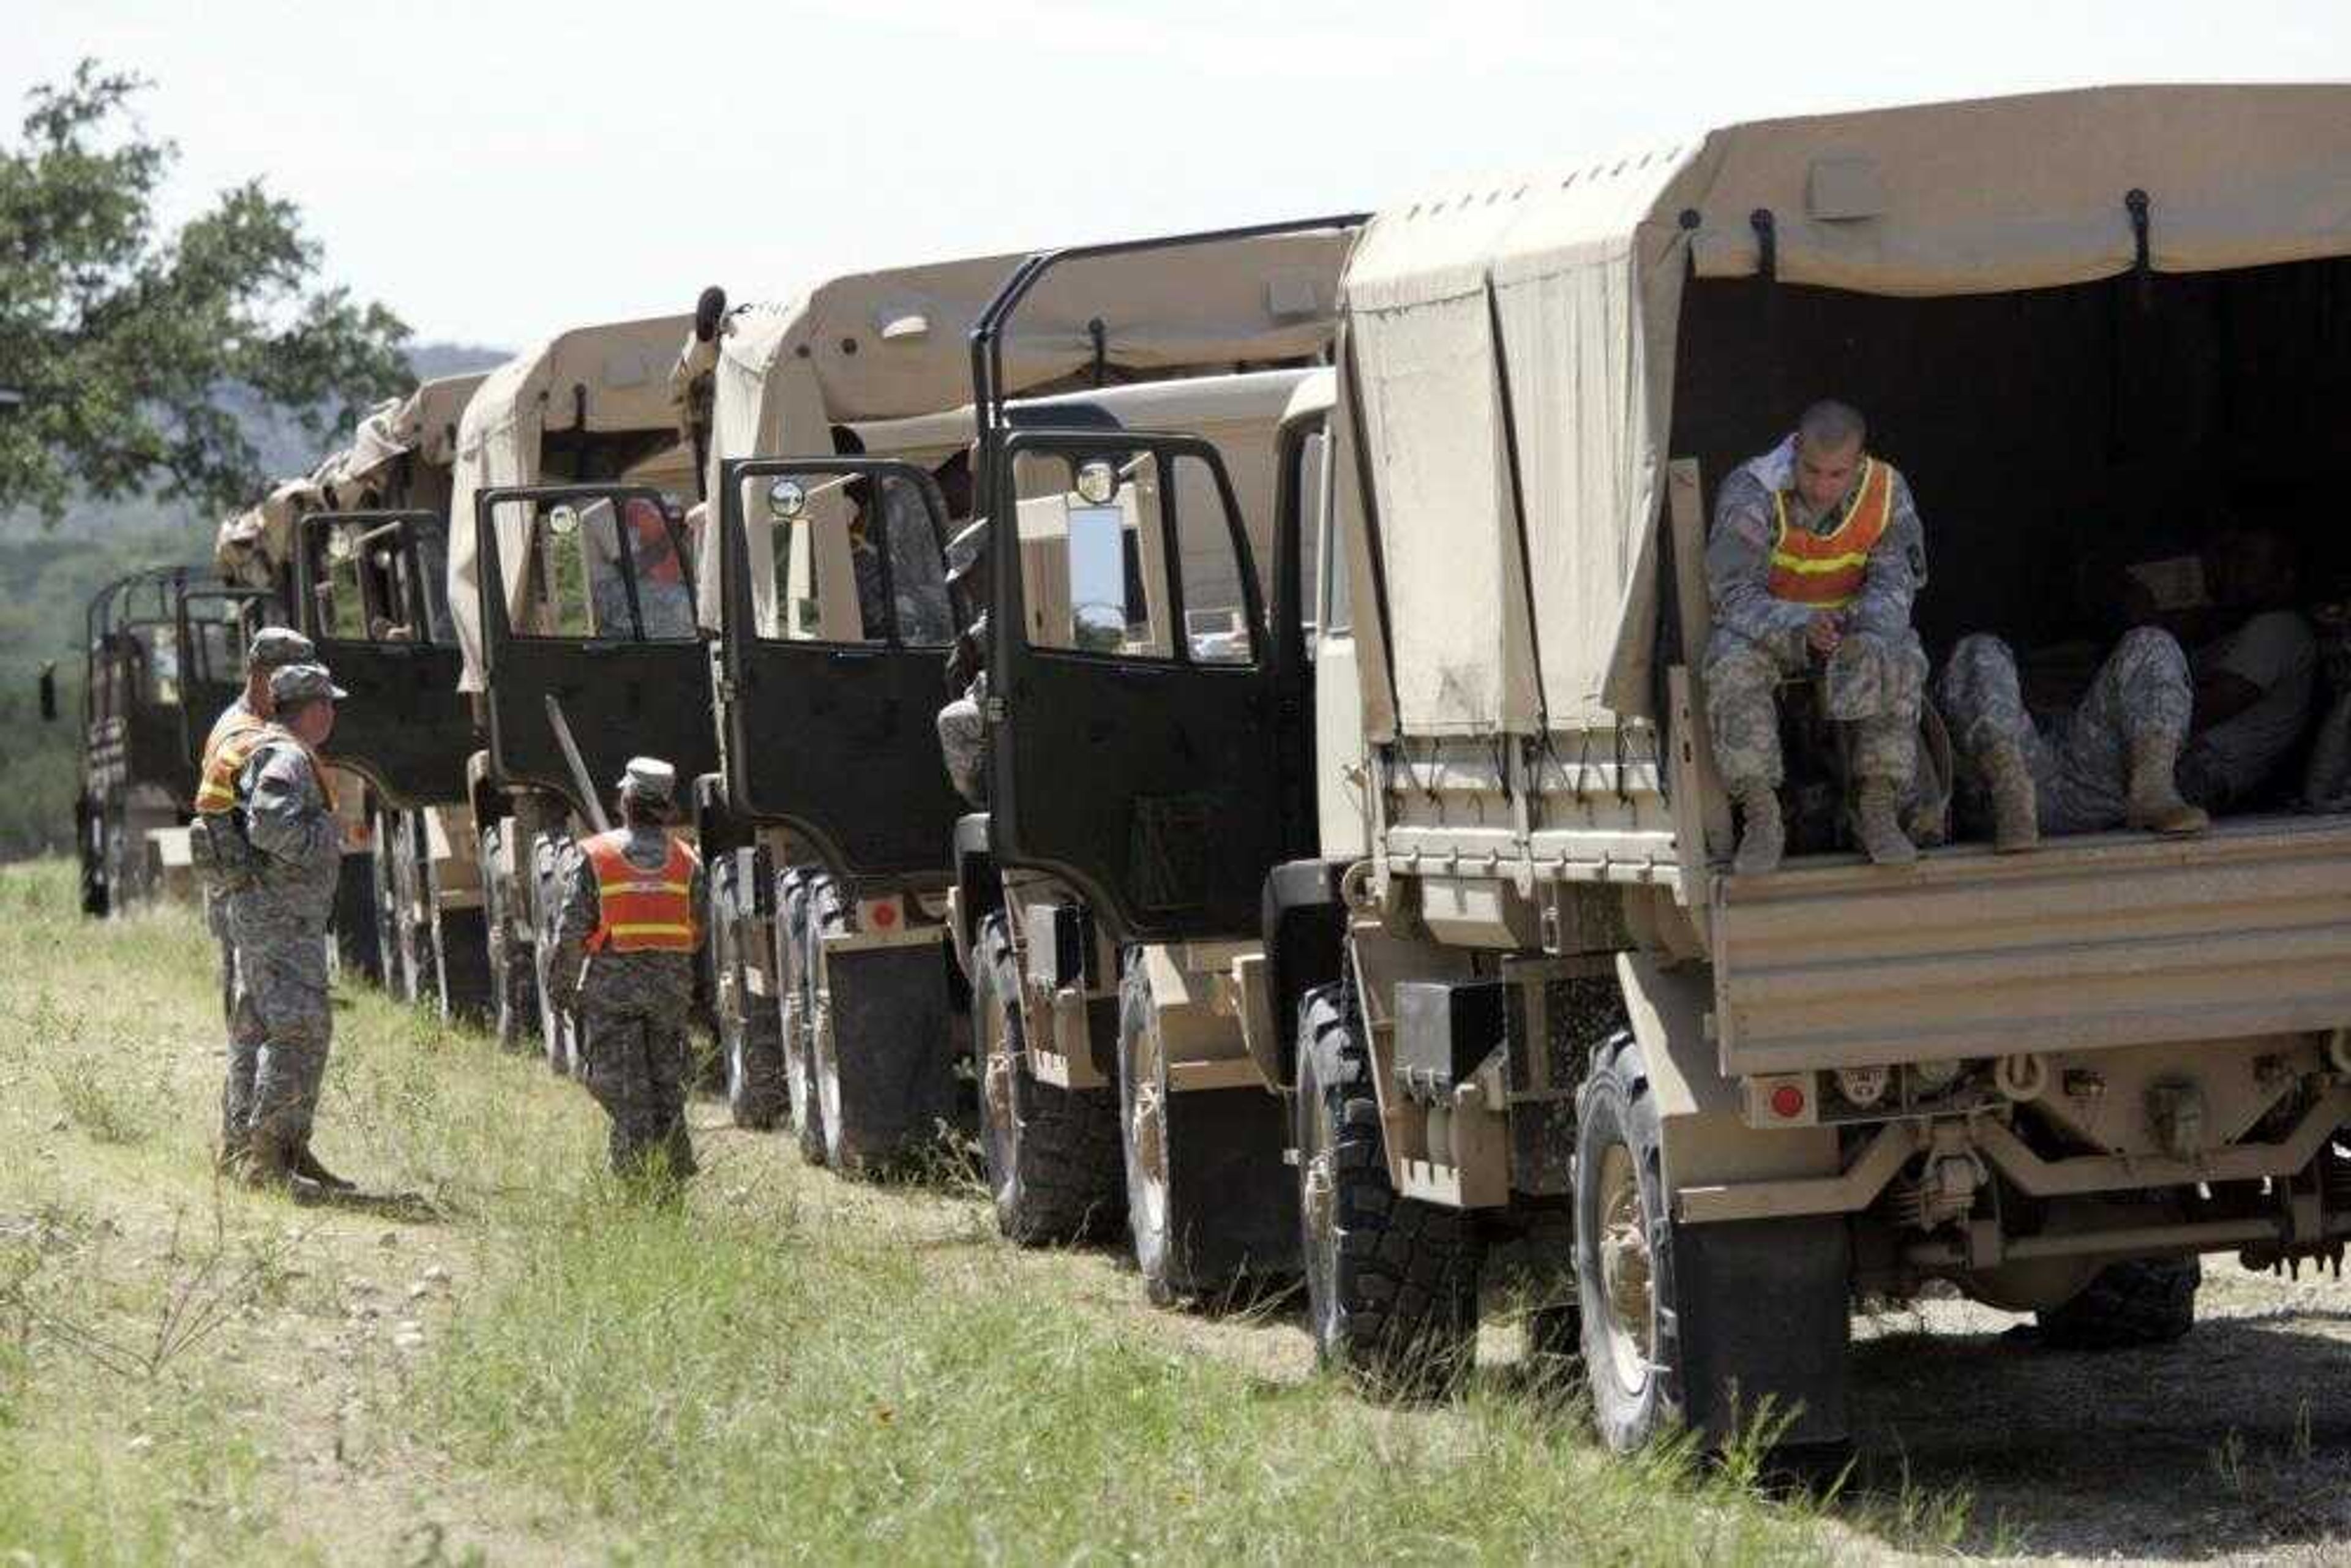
[[1877, 685], [287, 979], [2142, 692], [1743, 712], [246, 1033], [665, 1062]]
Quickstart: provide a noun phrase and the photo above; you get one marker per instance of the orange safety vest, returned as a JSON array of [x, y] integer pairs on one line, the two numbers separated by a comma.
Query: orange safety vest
[[1827, 570], [233, 741], [639, 911]]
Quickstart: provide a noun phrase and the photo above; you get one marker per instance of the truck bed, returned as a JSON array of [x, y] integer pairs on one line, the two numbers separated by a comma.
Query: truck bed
[[2103, 940]]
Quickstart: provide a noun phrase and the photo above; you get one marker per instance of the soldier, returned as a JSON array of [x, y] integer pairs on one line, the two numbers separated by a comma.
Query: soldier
[[664, 594], [234, 735], [1816, 557], [279, 920], [626, 938], [2162, 739], [963, 722]]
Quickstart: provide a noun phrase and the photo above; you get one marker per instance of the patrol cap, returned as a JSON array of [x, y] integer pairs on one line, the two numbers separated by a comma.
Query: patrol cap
[[303, 682], [275, 647], [648, 778]]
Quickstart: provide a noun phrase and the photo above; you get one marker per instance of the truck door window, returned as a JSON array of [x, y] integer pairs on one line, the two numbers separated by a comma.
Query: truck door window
[[580, 570], [848, 558], [1097, 572]]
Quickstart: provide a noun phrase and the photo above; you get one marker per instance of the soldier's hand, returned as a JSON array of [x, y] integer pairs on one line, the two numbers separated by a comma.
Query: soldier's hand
[[1823, 634]]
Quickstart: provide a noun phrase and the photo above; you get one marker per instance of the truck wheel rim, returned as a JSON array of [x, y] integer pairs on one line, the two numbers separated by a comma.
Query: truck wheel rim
[[1151, 1152], [1627, 1275]]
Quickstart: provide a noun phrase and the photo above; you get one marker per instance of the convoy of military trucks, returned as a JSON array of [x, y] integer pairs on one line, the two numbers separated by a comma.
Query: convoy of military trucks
[[1343, 893]]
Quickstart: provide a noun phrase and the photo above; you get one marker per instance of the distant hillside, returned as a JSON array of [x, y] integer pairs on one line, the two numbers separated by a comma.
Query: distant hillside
[[47, 576], [285, 450]]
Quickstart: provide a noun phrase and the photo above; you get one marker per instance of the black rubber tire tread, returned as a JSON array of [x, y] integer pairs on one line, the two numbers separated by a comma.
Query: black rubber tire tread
[[1392, 1286], [799, 1050], [514, 983], [1615, 1104], [355, 924], [2127, 1305], [1057, 1172], [751, 1042], [390, 963]]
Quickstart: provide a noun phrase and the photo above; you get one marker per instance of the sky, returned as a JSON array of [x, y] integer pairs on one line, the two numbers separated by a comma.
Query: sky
[[498, 171]]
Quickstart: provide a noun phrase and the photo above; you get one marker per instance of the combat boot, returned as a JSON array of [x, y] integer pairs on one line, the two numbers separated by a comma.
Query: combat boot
[[2154, 803], [308, 1166], [265, 1164], [1878, 822], [2015, 812], [1763, 837]]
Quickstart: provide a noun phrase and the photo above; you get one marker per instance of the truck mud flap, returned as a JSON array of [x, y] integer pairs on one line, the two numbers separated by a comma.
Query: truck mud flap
[[1766, 1317], [893, 1040], [1227, 1173]]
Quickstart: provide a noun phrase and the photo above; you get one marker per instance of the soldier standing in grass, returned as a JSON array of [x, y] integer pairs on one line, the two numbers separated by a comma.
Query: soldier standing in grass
[[278, 917], [626, 937], [212, 842], [1815, 559]]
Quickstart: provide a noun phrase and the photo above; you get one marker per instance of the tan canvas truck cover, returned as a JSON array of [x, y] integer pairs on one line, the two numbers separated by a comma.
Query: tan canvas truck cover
[[254, 545], [423, 423], [610, 379], [896, 344], [1573, 281]]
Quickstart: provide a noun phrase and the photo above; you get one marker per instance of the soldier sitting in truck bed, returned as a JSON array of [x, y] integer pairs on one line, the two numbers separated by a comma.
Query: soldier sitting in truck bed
[[1815, 558], [2163, 738]]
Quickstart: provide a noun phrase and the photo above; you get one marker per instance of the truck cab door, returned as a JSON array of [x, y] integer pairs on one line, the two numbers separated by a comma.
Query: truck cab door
[[212, 638], [372, 595], [1136, 698], [602, 620], [837, 626]]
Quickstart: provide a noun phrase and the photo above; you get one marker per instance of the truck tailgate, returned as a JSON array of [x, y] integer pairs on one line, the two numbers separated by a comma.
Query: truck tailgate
[[2097, 941]]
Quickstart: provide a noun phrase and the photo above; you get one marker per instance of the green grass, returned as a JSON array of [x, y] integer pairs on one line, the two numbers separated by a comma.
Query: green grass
[[786, 1367]]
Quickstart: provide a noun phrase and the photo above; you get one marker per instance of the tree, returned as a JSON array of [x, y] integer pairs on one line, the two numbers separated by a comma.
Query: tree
[[130, 346]]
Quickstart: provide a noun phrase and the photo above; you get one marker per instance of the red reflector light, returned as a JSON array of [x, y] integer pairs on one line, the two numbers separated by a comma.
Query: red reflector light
[[1787, 1101], [883, 914]]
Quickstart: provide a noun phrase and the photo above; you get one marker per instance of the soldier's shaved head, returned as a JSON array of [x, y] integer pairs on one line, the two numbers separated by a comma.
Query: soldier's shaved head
[[1831, 426]]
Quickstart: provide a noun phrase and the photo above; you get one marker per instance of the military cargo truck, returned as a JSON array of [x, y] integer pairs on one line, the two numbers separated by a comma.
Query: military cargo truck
[[570, 586], [834, 801], [1147, 710], [163, 652], [2078, 322]]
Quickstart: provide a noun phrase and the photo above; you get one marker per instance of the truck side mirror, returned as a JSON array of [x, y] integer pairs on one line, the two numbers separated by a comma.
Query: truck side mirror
[[49, 693]]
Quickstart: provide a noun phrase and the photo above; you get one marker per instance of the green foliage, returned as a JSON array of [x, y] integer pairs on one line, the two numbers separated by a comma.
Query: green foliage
[[126, 341]]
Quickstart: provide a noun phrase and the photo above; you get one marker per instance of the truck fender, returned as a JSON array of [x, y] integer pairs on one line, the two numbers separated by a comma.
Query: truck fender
[[1706, 1140]]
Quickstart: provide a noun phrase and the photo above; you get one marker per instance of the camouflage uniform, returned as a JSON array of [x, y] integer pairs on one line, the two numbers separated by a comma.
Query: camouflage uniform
[[1876, 680], [2080, 762], [632, 1009], [281, 928], [963, 741], [272, 648]]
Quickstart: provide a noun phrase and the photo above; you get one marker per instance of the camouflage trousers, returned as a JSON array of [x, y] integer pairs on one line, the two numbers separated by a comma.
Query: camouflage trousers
[[2080, 761], [963, 742], [282, 979], [633, 1008], [1871, 685]]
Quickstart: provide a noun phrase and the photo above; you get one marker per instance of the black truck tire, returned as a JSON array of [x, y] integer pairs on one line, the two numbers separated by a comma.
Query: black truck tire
[[514, 980], [1212, 1213], [1051, 1153], [357, 936], [1732, 1329], [1391, 1282], [751, 1037], [2140, 1301]]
